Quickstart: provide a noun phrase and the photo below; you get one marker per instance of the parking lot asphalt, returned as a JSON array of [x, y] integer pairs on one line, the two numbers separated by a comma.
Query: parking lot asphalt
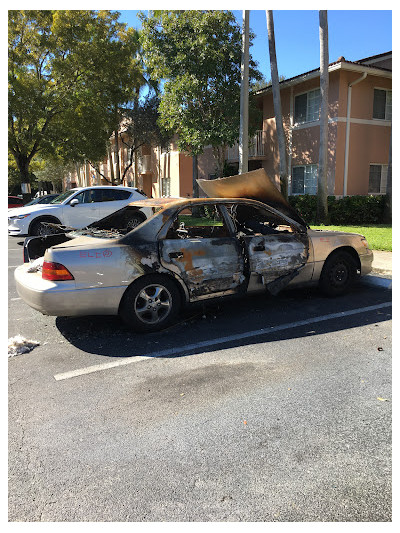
[[258, 409]]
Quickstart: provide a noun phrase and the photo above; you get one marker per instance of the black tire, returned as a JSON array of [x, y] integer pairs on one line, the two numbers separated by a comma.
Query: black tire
[[40, 229], [338, 274], [151, 303], [134, 220]]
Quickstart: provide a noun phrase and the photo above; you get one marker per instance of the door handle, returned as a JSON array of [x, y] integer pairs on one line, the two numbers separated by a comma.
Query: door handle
[[259, 248], [176, 255]]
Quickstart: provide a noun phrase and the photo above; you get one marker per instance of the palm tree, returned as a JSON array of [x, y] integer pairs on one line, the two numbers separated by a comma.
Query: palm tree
[[322, 194], [277, 105], [244, 98]]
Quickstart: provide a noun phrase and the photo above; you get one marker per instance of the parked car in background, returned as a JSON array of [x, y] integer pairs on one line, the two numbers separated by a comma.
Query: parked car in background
[[45, 199], [189, 250], [15, 201], [76, 209]]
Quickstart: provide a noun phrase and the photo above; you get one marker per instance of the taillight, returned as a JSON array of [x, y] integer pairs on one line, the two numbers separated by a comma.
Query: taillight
[[55, 272]]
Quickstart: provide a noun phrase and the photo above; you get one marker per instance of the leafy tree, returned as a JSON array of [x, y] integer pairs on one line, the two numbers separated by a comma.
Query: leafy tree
[[139, 126], [68, 72], [198, 54]]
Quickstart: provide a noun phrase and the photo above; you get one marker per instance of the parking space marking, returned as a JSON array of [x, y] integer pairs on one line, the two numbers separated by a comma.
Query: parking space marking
[[215, 342]]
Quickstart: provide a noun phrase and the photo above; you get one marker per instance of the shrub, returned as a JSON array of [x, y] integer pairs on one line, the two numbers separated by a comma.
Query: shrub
[[353, 210]]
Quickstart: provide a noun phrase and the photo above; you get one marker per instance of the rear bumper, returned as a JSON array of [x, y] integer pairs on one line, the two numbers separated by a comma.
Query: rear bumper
[[62, 298]]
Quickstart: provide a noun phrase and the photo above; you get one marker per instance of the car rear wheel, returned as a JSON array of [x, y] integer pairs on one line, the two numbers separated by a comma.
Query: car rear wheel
[[338, 274], [150, 304]]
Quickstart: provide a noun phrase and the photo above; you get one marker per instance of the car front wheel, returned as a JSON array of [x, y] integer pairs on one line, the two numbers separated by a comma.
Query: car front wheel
[[150, 304], [338, 274]]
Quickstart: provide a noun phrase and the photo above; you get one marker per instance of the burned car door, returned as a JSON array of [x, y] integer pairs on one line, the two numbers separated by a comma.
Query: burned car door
[[200, 248], [274, 248]]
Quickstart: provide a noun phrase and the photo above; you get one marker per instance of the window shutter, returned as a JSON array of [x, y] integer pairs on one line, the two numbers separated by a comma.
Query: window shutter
[[374, 179], [298, 180], [300, 108], [379, 104]]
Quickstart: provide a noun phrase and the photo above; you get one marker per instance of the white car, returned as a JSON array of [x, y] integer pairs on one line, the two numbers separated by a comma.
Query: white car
[[76, 208]]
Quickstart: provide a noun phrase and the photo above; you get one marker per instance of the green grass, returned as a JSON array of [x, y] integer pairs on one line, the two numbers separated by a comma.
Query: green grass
[[379, 237]]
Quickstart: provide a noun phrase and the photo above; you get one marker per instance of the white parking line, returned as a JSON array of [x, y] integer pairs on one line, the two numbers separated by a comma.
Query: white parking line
[[215, 342]]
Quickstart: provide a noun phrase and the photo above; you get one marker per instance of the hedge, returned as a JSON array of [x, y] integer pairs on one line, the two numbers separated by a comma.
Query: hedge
[[350, 210]]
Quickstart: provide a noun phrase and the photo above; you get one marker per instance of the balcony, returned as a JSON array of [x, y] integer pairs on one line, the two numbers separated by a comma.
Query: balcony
[[257, 149]]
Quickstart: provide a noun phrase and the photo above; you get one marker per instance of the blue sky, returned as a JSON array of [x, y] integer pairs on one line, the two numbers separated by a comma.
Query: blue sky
[[352, 34]]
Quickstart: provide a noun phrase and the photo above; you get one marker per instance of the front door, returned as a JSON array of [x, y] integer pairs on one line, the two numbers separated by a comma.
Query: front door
[[200, 249], [274, 247], [85, 212]]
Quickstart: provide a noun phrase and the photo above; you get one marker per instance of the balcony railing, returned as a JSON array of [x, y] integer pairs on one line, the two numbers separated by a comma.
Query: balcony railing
[[256, 147]]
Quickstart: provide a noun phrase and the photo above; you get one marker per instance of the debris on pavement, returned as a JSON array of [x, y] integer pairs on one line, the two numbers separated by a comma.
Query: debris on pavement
[[18, 345]]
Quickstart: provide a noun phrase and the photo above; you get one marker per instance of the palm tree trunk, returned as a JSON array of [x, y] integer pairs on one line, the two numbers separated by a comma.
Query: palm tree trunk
[[322, 194], [277, 105], [244, 99]]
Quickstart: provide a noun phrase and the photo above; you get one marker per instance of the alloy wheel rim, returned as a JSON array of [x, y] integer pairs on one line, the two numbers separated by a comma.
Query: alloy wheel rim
[[153, 304]]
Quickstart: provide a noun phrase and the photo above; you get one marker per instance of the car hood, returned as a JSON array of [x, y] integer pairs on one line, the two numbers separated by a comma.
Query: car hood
[[256, 185], [16, 211]]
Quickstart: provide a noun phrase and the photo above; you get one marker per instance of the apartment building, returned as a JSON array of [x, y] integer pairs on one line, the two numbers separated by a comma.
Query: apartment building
[[360, 119]]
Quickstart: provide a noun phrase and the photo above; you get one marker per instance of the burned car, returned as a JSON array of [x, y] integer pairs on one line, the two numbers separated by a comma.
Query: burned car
[[188, 250]]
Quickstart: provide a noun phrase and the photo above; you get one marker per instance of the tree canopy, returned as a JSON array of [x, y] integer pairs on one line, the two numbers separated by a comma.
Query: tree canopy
[[68, 73], [198, 54]]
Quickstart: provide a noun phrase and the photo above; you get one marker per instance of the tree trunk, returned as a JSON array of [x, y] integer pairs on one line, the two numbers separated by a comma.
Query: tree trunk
[[111, 166], [23, 167], [277, 106], [116, 157], [195, 210], [244, 98], [195, 176], [322, 194]]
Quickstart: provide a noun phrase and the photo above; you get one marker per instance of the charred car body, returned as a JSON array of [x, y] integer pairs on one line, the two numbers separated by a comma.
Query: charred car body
[[189, 250]]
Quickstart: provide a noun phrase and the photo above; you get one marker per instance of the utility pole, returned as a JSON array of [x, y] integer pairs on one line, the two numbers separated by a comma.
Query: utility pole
[[244, 98]]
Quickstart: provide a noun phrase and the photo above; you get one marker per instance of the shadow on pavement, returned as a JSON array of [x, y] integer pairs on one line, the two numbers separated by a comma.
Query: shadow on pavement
[[107, 335]]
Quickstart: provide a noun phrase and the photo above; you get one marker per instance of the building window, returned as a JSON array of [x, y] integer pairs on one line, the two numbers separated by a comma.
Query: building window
[[306, 106], [165, 186], [377, 179], [305, 179], [382, 104]]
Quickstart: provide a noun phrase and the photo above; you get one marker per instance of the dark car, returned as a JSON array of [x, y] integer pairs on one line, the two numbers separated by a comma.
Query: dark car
[[45, 199]]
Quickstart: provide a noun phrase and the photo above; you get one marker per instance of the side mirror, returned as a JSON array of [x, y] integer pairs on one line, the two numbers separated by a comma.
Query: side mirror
[[74, 202]]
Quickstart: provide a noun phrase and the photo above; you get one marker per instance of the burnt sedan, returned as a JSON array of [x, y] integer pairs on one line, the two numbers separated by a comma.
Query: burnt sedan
[[189, 250]]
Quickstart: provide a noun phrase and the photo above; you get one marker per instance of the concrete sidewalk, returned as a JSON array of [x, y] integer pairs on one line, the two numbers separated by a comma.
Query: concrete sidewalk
[[382, 263]]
